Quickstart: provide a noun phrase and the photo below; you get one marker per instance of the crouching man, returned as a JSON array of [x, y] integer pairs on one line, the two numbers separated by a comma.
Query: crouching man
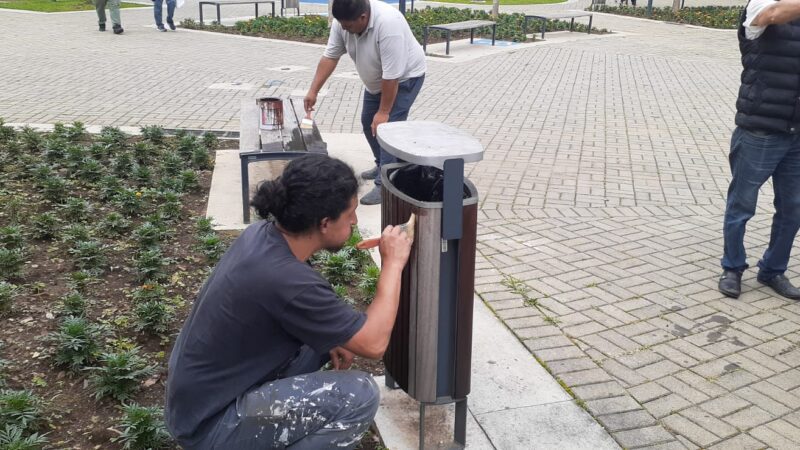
[[244, 372]]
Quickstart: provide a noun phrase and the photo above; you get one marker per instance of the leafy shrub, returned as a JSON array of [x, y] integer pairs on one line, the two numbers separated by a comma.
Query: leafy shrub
[[189, 180], [147, 235], [368, 284], [143, 152], [76, 343], [74, 233], [120, 374], [153, 316], [201, 160], [123, 164], [726, 17], [143, 428], [170, 208], [186, 147], [45, 226], [55, 189], [89, 256], [341, 292], [7, 292], [41, 173], [14, 438], [55, 149], [113, 136], [32, 140], [210, 140], [212, 247], [142, 174], [7, 133], [148, 292], [171, 164], [339, 267], [11, 237], [76, 209], [129, 201], [20, 409], [11, 262], [153, 133], [73, 304], [89, 170], [204, 225], [114, 224], [150, 265], [80, 280]]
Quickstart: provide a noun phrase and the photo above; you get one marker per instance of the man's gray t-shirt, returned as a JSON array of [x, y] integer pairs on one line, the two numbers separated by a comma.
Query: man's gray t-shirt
[[258, 307]]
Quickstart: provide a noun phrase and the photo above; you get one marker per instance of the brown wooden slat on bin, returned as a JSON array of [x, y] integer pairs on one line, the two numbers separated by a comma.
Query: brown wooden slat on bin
[[466, 287], [395, 359], [425, 306]]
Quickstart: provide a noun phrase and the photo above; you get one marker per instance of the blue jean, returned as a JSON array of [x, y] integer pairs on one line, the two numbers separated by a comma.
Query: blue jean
[[406, 94], [157, 5], [305, 409], [754, 158]]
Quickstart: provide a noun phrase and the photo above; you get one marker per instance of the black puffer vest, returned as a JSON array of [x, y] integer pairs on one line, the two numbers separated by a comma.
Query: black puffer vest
[[769, 98]]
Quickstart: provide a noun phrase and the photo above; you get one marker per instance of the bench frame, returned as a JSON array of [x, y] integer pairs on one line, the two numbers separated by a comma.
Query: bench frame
[[544, 18], [449, 31], [219, 3]]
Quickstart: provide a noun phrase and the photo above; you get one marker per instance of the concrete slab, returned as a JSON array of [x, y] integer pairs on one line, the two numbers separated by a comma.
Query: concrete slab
[[520, 403]]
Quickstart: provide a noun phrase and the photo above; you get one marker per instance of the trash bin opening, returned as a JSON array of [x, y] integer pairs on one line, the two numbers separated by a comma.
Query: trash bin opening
[[422, 183]]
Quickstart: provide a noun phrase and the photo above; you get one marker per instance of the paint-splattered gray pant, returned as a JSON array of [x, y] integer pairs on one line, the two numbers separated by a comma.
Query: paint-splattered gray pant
[[304, 409]]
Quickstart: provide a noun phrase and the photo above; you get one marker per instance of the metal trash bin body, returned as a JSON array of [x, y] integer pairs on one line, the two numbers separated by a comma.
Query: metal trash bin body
[[430, 352]]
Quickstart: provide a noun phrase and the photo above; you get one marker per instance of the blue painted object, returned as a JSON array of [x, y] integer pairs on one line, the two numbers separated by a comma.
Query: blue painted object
[[496, 43]]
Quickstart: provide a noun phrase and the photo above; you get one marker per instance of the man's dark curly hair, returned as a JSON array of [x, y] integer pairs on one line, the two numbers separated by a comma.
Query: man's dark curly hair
[[349, 9], [310, 189]]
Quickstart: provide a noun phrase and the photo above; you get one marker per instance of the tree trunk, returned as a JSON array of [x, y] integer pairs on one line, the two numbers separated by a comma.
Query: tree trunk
[[676, 5], [495, 8], [330, 11]]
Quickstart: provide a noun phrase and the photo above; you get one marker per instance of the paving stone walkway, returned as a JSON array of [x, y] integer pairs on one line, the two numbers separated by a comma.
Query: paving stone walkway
[[602, 194]]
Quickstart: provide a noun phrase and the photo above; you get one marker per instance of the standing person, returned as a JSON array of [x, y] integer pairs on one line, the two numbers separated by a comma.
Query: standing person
[[113, 8], [389, 61], [244, 372], [157, 13], [765, 143]]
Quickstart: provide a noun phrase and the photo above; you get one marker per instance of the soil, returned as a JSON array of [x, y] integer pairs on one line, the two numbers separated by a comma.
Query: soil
[[73, 418]]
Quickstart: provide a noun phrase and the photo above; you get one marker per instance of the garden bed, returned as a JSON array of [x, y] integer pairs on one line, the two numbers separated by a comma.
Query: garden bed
[[315, 29], [103, 247], [724, 17]]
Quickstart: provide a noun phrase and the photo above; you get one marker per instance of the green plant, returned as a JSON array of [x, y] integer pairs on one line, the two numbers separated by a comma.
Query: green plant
[[55, 189], [143, 428], [13, 208], [32, 140], [123, 165], [7, 292], [201, 160], [20, 408], [80, 280], [212, 247], [90, 170], [147, 235], [706, 16], [204, 225], [189, 180], [11, 237], [210, 140], [73, 304], [143, 152], [153, 133], [74, 233], [41, 173], [98, 151], [7, 133], [368, 284], [119, 374], [339, 267], [149, 292], [341, 292], [186, 147], [76, 209], [114, 224], [109, 186], [76, 343], [142, 174], [14, 438], [171, 164], [45, 226], [153, 316], [129, 201], [55, 149], [11, 262], [113, 136], [150, 264], [89, 256], [170, 208]]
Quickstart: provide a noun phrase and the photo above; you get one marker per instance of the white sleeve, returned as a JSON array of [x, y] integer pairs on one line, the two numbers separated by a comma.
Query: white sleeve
[[754, 8], [336, 45], [392, 48]]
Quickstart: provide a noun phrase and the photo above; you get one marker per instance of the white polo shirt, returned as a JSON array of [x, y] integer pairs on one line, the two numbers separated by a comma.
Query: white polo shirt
[[754, 8], [386, 50]]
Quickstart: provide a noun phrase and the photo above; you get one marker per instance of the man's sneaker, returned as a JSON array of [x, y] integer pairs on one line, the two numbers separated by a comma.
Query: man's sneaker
[[782, 285], [161, 28], [370, 174], [730, 283], [118, 28], [171, 25], [372, 197], [102, 27]]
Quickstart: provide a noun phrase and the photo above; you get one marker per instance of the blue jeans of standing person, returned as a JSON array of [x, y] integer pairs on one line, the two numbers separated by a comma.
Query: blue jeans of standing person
[[406, 94], [754, 158], [157, 12], [303, 409]]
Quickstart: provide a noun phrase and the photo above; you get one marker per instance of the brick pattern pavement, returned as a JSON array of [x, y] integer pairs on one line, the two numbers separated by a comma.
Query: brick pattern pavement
[[602, 192]]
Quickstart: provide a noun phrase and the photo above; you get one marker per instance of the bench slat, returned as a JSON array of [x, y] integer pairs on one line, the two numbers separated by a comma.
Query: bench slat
[[465, 25], [563, 15]]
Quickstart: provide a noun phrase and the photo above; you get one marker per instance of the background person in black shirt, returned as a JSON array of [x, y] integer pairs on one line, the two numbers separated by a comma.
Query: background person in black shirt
[[244, 372]]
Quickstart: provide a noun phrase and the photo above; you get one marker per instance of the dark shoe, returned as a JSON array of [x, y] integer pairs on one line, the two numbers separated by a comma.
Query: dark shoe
[[730, 283], [161, 28], [782, 285], [118, 28], [370, 174], [102, 27], [372, 197], [171, 25]]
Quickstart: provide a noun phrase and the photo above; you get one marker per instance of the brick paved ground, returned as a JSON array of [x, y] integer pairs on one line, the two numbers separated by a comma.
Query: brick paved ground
[[601, 198]]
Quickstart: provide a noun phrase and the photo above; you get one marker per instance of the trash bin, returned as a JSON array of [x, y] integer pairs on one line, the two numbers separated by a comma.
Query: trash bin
[[430, 351]]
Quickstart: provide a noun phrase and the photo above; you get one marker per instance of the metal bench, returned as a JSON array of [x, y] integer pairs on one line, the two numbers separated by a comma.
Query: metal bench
[[544, 17], [448, 28], [219, 3]]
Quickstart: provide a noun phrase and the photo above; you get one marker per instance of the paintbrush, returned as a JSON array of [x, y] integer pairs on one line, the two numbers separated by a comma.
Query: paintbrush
[[408, 227], [307, 123]]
